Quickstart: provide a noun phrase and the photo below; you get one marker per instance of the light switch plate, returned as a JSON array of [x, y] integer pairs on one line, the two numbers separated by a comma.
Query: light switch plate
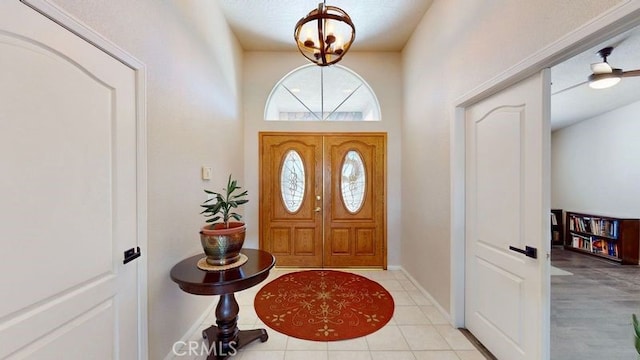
[[207, 172]]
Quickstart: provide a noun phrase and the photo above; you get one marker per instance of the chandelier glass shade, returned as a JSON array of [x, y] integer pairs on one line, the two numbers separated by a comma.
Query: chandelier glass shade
[[325, 35]]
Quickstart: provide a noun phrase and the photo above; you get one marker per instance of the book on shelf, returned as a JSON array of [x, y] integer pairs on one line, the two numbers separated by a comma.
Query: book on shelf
[[605, 236], [554, 220], [600, 246], [612, 249], [595, 245], [594, 225], [582, 242]]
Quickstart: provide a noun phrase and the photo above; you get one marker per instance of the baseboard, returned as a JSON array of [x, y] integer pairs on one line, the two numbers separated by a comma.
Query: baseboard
[[185, 338], [424, 292]]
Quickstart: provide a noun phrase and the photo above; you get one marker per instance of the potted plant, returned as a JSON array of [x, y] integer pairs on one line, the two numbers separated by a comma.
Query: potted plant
[[221, 238], [636, 333]]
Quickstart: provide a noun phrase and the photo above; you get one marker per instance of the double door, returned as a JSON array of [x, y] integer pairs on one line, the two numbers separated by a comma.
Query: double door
[[322, 199]]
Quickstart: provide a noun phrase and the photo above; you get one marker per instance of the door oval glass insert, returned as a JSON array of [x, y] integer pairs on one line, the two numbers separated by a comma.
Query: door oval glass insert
[[352, 181], [292, 182]]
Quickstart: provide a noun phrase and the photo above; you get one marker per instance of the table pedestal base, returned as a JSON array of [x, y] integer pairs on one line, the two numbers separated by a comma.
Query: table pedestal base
[[220, 350], [225, 339]]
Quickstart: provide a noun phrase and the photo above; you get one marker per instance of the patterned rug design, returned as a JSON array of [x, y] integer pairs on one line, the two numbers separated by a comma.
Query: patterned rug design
[[324, 305]]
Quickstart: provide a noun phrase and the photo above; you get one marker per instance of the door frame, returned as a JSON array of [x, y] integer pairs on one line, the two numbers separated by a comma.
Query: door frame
[[329, 133], [67, 21], [616, 20]]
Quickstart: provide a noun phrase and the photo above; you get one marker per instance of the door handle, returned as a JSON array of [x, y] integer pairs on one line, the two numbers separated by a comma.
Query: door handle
[[317, 209], [131, 254], [528, 250]]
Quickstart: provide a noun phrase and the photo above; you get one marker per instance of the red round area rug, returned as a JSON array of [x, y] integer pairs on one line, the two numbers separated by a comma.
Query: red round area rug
[[324, 305]]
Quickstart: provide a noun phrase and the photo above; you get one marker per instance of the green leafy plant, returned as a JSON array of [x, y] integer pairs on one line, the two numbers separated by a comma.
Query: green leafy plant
[[636, 329], [222, 204]]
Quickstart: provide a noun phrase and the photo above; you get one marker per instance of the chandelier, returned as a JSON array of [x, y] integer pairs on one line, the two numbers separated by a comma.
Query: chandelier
[[325, 34]]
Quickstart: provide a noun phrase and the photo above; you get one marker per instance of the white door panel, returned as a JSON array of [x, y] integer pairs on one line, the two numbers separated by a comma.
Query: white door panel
[[63, 342], [507, 202], [68, 155]]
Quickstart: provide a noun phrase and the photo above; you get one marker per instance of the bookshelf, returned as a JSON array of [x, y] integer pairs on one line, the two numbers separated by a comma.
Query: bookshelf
[[611, 238], [557, 229]]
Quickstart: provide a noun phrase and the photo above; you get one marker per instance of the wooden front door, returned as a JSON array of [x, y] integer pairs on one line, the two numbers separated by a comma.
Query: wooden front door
[[290, 211], [322, 199]]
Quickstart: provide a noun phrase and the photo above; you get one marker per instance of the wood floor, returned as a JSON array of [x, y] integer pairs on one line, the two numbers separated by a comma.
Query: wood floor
[[591, 310]]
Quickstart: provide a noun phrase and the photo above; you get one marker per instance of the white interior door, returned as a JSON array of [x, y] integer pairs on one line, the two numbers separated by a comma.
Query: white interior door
[[68, 183], [507, 204]]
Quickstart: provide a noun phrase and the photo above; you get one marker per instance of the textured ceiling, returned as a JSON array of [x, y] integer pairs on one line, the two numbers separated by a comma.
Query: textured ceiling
[[267, 25]]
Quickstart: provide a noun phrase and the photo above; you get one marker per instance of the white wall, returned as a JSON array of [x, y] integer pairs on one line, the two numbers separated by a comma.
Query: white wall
[[595, 164], [382, 71], [458, 45], [194, 119]]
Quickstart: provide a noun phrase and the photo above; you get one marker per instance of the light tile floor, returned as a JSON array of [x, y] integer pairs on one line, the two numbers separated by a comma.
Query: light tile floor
[[418, 331]]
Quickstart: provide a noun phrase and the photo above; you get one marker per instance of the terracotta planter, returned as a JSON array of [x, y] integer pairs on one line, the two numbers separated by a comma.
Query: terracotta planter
[[222, 245]]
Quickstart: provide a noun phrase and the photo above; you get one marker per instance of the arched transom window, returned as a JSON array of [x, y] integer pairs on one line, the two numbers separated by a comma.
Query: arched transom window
[[317, 93]]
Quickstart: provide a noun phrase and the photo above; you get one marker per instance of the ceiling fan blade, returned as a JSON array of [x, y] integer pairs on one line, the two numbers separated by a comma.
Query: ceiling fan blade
[[631, 73], [601, 68]]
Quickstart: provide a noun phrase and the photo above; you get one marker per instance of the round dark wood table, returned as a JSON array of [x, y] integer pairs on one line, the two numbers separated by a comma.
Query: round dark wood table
[[224, 338]]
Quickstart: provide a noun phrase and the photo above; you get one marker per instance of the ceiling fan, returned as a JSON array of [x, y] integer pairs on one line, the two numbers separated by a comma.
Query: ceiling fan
[[604, 75]]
